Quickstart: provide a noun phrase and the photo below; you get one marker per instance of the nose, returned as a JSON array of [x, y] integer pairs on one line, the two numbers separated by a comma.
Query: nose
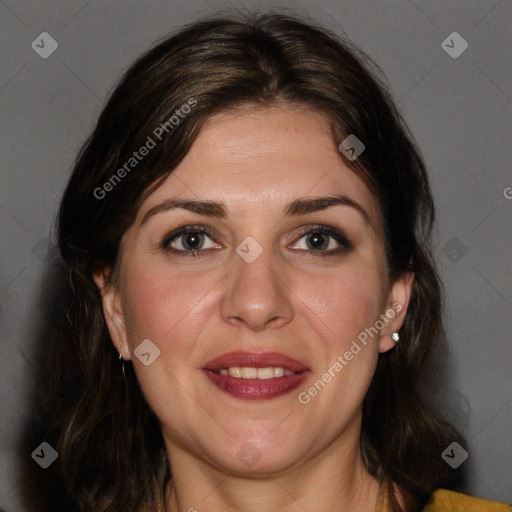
[[256, 295]]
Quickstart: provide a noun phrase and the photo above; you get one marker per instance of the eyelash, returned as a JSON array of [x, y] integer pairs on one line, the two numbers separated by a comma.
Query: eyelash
[[345, 244]]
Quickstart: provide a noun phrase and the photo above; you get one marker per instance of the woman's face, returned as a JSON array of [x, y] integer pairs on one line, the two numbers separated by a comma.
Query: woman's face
[[260, 293]]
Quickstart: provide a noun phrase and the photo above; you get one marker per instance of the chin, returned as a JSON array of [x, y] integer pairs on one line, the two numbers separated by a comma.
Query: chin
[[258, 454], [251, 461]]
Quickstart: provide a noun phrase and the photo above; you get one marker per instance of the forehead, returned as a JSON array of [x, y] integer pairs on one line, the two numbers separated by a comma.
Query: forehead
[[264, 158]]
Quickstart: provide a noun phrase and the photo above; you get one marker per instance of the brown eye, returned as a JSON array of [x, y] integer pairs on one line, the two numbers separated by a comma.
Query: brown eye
[[325, 241], [188, 240]]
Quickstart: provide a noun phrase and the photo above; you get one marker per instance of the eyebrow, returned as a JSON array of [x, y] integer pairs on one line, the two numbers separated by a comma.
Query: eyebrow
[[301, 206]]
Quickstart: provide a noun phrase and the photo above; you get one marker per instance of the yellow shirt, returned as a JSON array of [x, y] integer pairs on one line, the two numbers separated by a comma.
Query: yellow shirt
[[442, 500], [449, 501]]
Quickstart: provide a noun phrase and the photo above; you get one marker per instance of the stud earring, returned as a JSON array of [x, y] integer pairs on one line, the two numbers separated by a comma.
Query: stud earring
[[395, 336]]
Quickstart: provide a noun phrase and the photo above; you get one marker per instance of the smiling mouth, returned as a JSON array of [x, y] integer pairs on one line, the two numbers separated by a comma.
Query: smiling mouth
[[256, 376]]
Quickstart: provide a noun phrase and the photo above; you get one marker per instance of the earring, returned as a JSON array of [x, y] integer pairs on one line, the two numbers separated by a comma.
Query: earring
[[395, 336], [122, 364]]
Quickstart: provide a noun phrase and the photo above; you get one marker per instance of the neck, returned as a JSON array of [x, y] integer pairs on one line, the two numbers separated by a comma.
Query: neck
[[336, 479]]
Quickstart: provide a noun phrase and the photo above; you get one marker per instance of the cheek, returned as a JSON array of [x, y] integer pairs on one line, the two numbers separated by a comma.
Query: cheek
[[344, 302], [146, 304], [163, 305], [169, 309], [341, 311]]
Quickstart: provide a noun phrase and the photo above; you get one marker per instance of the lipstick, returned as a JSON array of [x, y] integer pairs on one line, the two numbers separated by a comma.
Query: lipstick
[[229, 371]]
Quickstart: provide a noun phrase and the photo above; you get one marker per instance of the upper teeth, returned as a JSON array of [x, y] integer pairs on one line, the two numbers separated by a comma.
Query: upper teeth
[[245, 372]]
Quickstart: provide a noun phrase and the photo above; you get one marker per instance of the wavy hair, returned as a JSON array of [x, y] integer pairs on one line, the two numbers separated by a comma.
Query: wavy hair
[[111, 451]]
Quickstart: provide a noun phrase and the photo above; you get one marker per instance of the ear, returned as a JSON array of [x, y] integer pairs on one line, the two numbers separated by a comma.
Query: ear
[[396, 309], [113, 311]]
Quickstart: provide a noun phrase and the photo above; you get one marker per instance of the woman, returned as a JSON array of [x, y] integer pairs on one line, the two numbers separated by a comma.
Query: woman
[[253, 299]]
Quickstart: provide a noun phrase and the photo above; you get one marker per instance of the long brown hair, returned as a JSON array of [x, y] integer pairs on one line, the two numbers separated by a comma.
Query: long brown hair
[[111, 451]]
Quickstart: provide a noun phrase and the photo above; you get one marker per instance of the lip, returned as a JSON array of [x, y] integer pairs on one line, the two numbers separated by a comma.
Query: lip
[[256, 389], [255, 360]]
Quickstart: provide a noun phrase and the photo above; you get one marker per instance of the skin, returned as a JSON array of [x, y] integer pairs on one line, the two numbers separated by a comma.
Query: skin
[[290, 301]]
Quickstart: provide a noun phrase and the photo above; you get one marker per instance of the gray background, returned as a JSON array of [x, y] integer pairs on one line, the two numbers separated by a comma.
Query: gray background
[[458, 110]]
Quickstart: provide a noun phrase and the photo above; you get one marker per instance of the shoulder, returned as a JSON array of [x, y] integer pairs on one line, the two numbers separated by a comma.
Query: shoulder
[[442, 500]]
